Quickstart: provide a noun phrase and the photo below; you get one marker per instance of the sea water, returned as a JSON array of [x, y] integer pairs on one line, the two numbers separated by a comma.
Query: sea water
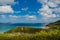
[[6, 27]]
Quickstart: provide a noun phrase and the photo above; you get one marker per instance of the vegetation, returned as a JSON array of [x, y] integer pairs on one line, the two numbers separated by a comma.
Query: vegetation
[[25, 33], [42, 35], [55, 25]]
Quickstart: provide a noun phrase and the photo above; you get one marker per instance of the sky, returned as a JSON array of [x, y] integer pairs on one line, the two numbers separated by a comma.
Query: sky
[[29, 11]]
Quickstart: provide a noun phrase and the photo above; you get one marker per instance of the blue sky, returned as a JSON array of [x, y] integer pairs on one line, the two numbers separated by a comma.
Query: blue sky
[[29, 11]]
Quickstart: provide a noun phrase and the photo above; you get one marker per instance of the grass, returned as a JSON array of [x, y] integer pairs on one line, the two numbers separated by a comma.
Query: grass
[[42, 35]]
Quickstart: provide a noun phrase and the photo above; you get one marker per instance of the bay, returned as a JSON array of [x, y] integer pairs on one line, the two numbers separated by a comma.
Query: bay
[[5, 27]]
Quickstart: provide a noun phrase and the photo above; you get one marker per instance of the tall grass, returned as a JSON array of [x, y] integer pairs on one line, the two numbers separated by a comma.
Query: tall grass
[[42, 35]]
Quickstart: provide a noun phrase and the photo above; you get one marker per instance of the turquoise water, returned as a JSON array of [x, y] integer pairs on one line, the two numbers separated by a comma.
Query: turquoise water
[[4, 27]]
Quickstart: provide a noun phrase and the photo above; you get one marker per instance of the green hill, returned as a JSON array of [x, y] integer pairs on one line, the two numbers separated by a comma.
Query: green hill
[[55, 25]]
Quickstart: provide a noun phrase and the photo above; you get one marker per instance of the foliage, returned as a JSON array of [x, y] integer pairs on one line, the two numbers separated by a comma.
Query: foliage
[[55, 25], [42, 35]]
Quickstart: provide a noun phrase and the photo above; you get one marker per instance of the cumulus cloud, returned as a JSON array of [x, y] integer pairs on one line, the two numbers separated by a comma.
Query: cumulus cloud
[[56, 10], [31, 17], [55, 1], [6, 9], [43, 1], [26, 17], [47, 12], [5, 2], [13, 16], [51, 3], [5, 6]]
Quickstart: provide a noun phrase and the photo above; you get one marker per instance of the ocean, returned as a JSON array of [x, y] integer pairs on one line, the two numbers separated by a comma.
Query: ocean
[[6, 27]]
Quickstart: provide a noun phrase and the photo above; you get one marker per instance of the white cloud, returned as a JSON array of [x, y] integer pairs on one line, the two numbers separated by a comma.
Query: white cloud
[[56, 10], [43, 1], [6, 9], [25, 9], [46, 12], [13, 16], [5, 6], [45, 9], [28, 17], [55, 1], [51, 3], [5, 2]]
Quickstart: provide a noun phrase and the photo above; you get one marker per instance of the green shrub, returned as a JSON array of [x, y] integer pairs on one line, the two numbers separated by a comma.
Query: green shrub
[[42, 35]]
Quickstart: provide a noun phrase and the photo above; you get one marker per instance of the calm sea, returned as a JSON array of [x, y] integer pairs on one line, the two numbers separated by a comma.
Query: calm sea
[[6, 27]]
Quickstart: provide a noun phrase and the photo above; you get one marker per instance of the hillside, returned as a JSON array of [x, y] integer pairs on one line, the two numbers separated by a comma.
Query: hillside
[[55, 25]]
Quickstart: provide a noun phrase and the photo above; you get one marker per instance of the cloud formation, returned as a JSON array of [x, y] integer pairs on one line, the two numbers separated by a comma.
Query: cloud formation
[[7, 2], [30, 17], [26, 17], [51, 3], [46, 11], [13, 16], [5, 6], [6, 9]]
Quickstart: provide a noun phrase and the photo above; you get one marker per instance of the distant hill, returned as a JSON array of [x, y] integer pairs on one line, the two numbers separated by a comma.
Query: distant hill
[[55, 25]]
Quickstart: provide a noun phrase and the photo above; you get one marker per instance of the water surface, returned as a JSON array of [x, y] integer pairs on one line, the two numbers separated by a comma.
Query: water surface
[[6, 27]]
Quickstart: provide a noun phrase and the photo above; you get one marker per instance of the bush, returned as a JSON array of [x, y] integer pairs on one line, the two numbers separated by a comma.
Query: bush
[[42, 35]]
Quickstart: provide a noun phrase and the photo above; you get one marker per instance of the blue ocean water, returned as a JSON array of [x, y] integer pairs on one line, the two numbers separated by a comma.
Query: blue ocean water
[[6, 27]]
